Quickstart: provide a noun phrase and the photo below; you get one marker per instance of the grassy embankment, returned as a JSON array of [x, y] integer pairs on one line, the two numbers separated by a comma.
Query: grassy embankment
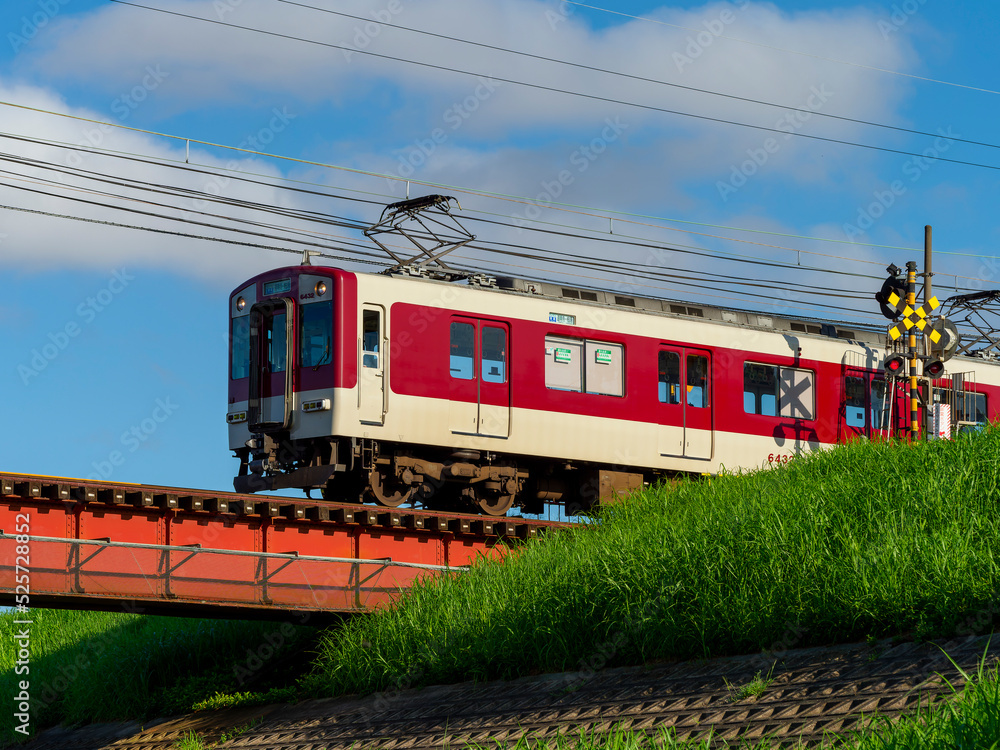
[[100, 666], [868, 540]]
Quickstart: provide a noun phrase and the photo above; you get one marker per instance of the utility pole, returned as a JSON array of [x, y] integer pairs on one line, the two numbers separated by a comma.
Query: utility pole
[[911, 301], [928, 294]]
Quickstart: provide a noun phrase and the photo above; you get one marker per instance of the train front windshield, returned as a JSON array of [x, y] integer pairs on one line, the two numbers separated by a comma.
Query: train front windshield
[[316, 334], [315, 340]]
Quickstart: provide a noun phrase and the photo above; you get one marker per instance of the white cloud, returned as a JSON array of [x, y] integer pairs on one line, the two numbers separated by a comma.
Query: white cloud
[[38, 238], [447, 128]]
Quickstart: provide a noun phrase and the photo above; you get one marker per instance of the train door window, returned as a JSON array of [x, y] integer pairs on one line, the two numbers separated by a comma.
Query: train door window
[[604, 373], [494, 360], [760, 389], [971, 408], [796, 393], [371, 329], [879, 417], [277, 338], [854, 389], [697, 381], [240, 347], [669, 386], [463, 345], [563, 364], [316, 334]]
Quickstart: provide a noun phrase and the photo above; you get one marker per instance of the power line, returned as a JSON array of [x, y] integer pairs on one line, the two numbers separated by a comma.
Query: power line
[[174, 233], [564, 207], [641, 78], [556, 90], [782, 49], [548, 257], [684, 277], [355, 224]]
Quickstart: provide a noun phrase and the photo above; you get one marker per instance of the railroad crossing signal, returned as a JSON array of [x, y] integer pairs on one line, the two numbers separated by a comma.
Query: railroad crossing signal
[[916, 318], [895, 364], [892, 286]]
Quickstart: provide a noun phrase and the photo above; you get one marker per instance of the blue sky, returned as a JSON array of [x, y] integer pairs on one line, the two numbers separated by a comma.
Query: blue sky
[[115, 337]]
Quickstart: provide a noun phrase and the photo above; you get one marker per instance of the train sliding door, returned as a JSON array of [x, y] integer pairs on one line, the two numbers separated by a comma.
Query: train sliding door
[[479, 382], [685, 397], [371, 347], [271, 357]]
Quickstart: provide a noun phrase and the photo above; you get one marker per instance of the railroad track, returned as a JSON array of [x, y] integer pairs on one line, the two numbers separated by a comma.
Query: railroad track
[[65, 489], [177, 550], [815, 693]]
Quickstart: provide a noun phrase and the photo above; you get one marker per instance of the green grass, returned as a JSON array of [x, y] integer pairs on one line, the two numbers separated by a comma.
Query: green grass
[[867, 540], [753, 689], [99, 666], [864, 541]]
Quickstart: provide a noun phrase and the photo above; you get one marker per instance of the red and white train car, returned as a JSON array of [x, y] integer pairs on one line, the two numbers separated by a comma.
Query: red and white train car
[[397, 388]]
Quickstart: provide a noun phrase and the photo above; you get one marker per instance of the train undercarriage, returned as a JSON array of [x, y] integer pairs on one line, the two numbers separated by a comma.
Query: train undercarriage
[[390, 474]]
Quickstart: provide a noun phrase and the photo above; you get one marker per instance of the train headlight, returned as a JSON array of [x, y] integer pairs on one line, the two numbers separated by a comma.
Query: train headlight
[[240, 304], [322, 404], [320, 288], [236, 417]]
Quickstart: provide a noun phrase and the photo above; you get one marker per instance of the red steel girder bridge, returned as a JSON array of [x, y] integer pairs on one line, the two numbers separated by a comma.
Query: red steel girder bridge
[[71, 543]]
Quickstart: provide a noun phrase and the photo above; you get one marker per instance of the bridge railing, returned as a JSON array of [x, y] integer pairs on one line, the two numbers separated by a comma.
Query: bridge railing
[[192, 573]]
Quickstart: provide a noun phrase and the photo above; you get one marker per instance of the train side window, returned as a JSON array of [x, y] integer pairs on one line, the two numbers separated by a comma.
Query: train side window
[[879, 417], [760, 389], [604, 373], [370, 334], [795, 393], [240, 346], [697, 381], [669, 386], [854, 390], [463, 345], [971, 408], [563, 364], [494, 360], [316, 334]]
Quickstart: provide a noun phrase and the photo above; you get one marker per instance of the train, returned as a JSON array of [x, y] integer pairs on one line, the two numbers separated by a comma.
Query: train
[[502, 393]]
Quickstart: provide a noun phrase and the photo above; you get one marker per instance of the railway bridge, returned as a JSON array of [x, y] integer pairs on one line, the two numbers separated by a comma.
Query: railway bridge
[[71, 543]]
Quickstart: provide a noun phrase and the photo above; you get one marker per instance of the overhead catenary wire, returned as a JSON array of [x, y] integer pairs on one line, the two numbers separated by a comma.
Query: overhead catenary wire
[[157, 230], [583, 210], [686, 277], [783, 49], [596, 262], [625, 268], [689, 280], [557, 90], [645, 79], [343, 222], [686, 281]]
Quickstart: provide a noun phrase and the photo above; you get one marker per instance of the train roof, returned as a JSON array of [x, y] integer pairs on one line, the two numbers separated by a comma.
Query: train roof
[[859, 333]]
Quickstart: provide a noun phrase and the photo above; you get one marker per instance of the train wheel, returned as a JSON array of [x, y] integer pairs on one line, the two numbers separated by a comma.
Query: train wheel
[[388, 491], [494, 504]]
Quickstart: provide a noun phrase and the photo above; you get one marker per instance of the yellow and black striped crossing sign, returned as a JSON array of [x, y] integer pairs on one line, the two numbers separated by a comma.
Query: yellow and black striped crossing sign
[[916, 318]]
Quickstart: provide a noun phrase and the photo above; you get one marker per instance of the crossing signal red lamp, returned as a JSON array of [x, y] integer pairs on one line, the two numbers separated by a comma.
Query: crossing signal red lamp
[[933, 368], [895, 364]]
